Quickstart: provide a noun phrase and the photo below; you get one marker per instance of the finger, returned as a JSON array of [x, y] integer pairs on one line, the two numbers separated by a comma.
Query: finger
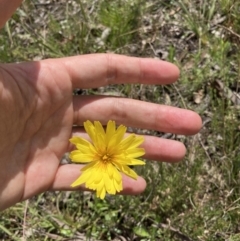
[[156, 148], [67, 174], [136, 113], [95, 70], [6, 10]]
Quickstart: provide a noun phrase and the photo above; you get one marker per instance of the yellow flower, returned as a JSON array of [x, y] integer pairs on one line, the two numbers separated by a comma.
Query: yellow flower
[[107, 155]]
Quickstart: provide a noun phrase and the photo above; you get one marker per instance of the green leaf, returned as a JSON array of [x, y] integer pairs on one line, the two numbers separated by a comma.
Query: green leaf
[[141, 232]]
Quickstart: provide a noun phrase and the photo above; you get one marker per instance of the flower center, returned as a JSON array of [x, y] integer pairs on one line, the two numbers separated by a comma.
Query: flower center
[[106, 158]]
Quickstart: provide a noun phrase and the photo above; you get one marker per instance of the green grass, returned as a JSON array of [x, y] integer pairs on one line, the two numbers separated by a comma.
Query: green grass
[[197, 199]]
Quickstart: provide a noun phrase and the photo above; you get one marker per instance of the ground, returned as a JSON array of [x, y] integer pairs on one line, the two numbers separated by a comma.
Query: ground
[[195, 200]]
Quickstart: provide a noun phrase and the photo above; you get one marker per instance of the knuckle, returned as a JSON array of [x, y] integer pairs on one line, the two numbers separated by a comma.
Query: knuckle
[[118, 110], [111, 71]]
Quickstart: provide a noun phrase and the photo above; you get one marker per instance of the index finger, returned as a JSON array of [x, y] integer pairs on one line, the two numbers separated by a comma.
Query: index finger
[[95, 70]]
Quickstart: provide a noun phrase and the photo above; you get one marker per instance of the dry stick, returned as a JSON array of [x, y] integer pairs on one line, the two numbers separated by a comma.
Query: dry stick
[[204, 148], [181, 97], [200, 140], [24, 238], [181, 235], [9, 33], [230, 30]]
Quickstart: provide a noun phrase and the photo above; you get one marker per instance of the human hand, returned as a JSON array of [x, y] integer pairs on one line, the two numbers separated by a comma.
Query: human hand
[[39, 114]]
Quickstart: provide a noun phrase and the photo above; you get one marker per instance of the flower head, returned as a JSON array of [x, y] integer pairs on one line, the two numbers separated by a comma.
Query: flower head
[[108, 154]]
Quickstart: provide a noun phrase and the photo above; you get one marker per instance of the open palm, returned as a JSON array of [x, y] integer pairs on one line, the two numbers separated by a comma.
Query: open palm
[[38, 115]]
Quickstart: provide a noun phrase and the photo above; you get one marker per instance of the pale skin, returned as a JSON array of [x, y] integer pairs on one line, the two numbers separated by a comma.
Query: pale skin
[[38, 111]]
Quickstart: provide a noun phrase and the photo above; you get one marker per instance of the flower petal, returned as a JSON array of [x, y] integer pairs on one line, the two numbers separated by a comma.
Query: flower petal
[[110, 131], [90, 167], [82, 179], [131, 141], [79, 141], [110, 169], [126, 170], [128, 161], [125, 143], [108, 183], [99, 128], [77, 156], [100, 143], [85, 149], [90, 129], [117, 176], [137, 141], [135, 152], [101, 193], [116, 139]]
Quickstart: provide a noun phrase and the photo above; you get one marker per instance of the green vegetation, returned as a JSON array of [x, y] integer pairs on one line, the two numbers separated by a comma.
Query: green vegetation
[[197, 199]]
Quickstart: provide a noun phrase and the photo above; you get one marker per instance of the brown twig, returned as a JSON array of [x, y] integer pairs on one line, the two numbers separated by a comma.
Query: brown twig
[[229, 30]]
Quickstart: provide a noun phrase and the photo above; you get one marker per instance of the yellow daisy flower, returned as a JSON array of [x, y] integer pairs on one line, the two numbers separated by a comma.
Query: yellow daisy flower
[[107, 155]]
